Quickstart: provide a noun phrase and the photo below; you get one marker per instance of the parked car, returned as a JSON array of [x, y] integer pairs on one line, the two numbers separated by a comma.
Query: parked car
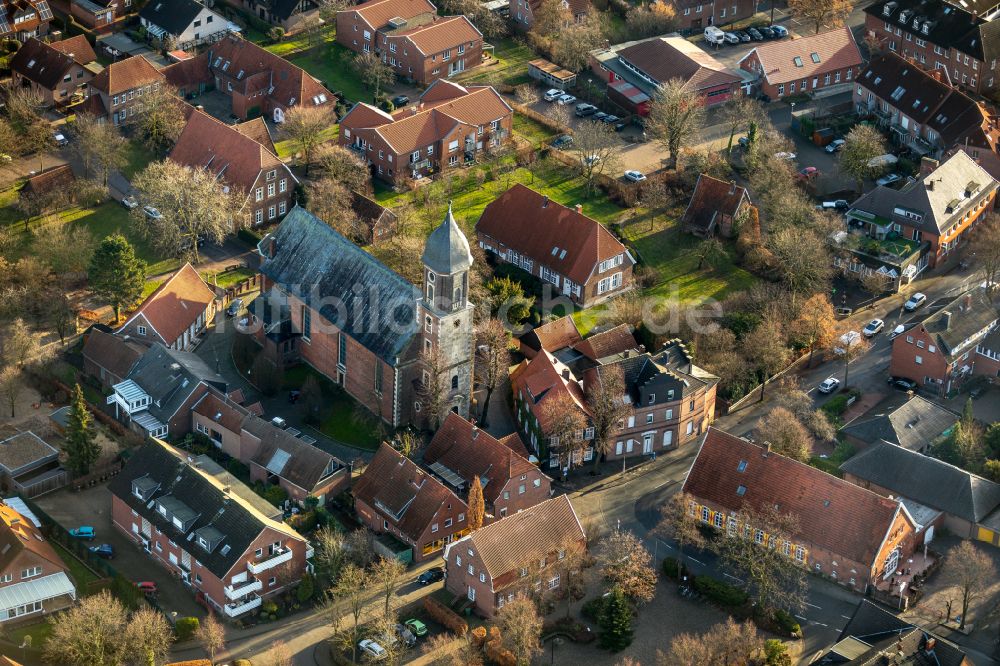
[[234, 307], [105, 550], [130, 202], [755, 34], [405, 635], [889, 179], [610, 119], [563, 141], [835, 146], [635, 176], [902, 383], [552, 94], [896, 331], [915, 302], [847, 340], [400, 100], [829, 385], [431, 576], [784, 155], [566, 99], [600, 116], [148, 588], [779, 31], [743, 35], [416, 626], [373, 650], [731, 38], [60, 138], [591, 160], [82, 532], [808, 173], [152, 213], [583, 110], [836, 204], [873, 328], [766, 32]]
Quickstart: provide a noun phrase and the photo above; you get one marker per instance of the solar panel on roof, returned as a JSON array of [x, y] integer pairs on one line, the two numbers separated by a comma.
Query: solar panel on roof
[[4, 26], [43, 10]]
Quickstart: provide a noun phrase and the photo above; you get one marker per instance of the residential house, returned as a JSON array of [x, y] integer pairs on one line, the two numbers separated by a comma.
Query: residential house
[[940, 352], [697, 14], [395, 496], [220, 418], [116, 92], [522, 12], [24, 19], [55, 71], [949, 36], [291, 15], [715, 207], [920, 225], [364, 326], [968, 503], [183, 24], [29, 466], [175, 314], [439, 49], [520, 553], [257, 82], [156, 398], [33, 578], [364, 27], [850, 534], [109, 358], [577, 255], [100, 15], [920, 109], [987, 359], [289, 461], [912, 422], [553, 336], [875, 635], [822, 64], [448, 127], [202, 531], [52, 182], [378, 222], [246, 166], [460, 452], [650, 63]]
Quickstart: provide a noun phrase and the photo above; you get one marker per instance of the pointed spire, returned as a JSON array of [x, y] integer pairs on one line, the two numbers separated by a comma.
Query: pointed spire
[[447, 251]]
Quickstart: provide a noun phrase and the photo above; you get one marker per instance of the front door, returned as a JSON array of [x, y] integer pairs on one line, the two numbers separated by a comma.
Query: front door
[[618, 449], [647, 443]]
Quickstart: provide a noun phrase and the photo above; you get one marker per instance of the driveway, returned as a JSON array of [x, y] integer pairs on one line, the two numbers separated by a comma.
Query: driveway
[[93, 507]]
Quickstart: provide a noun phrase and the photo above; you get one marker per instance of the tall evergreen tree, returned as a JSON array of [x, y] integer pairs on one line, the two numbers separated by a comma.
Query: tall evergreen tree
[[82, 449], [116, 274], [477, 506], [616, 622]]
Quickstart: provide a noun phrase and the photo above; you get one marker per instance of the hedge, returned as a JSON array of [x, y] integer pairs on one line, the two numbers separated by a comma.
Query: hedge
[[673, 569], [445, 616], [785, 623], [186, 628], [593, 609], [719, 592]]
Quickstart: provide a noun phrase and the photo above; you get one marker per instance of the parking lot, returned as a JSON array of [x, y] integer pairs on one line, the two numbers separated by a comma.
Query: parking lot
[[93, 507]]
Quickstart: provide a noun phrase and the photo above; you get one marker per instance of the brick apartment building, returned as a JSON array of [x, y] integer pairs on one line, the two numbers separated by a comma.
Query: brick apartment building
[[395, 496], [581, 259], [203, 531], [55, 71], [696, 14], [819, 64], [946, 36], [448, 127], [944, 350], [116, 92], [522, 12], [850, 534], [519, 554]]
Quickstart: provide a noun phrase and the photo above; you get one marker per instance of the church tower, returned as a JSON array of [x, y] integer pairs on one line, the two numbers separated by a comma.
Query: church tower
[[445, 312]]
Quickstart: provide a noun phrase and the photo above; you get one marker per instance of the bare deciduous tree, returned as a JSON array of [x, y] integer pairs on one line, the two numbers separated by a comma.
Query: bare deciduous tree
[[373, 72], [607, 399], [212, 636], [598, 148], [161, 119], [492, 360], [988, 251], [738, 112], [675, 117], [815, 325], [305, 125], [521, 628], [726, 644], [11, 385], [434, 386], [147, 637], [831, 13], [627, 564], [344, 165], [562, 423], [99, 145], [678, 520], [351, 590], [970, 570], [333, 203], [863, 144], [387, 576], [765, 348], [786, 434]]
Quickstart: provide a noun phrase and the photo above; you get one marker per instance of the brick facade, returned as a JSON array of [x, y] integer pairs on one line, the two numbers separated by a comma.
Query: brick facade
[[696, 14], [447, 524], [828, 78]]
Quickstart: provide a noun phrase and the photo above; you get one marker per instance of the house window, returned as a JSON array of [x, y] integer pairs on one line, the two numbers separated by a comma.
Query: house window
[[31, 572], [141, 330], [270, 190], [271, 212], [919, 360], [283, 185], [342, 350], [649, 418], [282, 208], [704, 514], [258, 215], [434, 527], [306, 323], [259, 194]]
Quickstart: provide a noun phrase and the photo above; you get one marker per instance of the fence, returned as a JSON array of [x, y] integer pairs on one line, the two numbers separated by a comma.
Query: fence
[[541, 118], [754, 394]]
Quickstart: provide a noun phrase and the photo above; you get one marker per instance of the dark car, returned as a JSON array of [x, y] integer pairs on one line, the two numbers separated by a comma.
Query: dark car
[[767, 32], [234, 307], [744, 142], [105, 550], [755, 35], [743, 35], [611, 120], [431, 576], [903, 384], [400, 100], [562, 142], [599, 116]]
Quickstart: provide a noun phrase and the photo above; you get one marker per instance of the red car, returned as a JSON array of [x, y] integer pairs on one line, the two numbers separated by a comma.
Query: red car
[[808, 173], [148, 588]]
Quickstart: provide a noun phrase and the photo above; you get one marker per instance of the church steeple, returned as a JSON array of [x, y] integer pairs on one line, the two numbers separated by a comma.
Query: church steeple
[[447, 260]]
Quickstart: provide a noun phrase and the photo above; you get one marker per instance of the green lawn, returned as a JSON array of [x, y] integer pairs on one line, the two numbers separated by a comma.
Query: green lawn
[[288, 147], [511, 66], [82, 575], [150, 287], [332, 66], [343, 419], [139, 157], [300, 42], [531, 130], [226, 279], [39, 633]]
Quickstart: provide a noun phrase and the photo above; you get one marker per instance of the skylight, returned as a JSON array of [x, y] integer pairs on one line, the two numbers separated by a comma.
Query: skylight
[[798, 61], [814, 56], [555, 251], [741, 491], [742, 466], [898, 92]]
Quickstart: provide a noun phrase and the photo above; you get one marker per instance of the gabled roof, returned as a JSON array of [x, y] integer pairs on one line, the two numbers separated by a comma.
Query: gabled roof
[[661, 59], [831, 513], [185, 486], [398, 488], [169, 377], [19, 534], [914, 424], [789, 60], [78, 47], [713, 197], [357, 293], [956, 325], [552, 336], [506, 545], [951, 25], [541, 379], [439, 35], [218, 407], [470, 452], [257, 130], [115, 354], [126, 74], [377, 13], [175, 16], [45, 64], [368, 210], [23, 449], [289, 457], [608, 343], [561, 238], [927, 480], [233, 156], [59, 176], [176, 304]]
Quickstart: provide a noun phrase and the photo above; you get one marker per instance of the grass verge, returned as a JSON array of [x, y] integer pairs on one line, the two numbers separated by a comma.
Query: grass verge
[[331, 64]]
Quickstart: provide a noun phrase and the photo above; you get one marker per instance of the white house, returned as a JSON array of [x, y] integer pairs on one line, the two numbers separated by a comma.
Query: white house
[[187, 22]]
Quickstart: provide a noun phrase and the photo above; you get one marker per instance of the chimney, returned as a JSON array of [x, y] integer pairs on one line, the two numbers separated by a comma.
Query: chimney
[[767, 449], [732, 187], [475, 431], [272, 248], [947, 320], [929, 184], [413, 110], [967, 303], [929, 646], [565, 373], [927, 164], [545, 201], [579, 208], [627, 353]]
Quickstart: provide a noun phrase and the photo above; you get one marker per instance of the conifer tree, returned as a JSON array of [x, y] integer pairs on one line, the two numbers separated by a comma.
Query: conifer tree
[[616, 622], [82, 449], [477, 506]]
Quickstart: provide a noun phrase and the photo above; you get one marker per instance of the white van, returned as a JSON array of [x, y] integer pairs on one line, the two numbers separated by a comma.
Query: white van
[[714, 36]]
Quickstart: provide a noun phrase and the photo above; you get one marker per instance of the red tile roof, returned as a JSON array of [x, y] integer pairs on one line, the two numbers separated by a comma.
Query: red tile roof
[[125, 75], [834, 49], [608, 343], [377, 13], [551, 336], [176, 304], [401, 491], [564, 240], [59, 176], [257, 130], [712, 196], [470, 452], [18, 534], [666, 58], [543, 378], [78, 47], [833, 514], [45, 64], [437, 36], [221, 410]]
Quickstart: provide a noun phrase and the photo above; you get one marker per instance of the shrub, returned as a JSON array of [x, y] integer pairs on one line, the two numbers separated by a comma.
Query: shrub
[[242, 662], [785, 623], [305, 589], [719, 592], [776, 653], [673, 569], [238, 469], [186, 627], [835, 406], [479, 636], [276, 495], [592, 609], [445, 616], [249, 236]]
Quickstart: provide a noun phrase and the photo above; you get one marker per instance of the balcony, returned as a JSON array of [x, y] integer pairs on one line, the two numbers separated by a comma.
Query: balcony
[[310, 552], [241, 590], [238, 608], [269, 561]]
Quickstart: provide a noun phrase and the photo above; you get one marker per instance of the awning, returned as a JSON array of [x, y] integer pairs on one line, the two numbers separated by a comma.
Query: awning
[[155, 30], [39, 589], [148, 422]]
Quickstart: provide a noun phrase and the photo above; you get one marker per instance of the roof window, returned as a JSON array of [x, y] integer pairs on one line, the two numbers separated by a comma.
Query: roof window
[[814, 56], [797, 60]]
